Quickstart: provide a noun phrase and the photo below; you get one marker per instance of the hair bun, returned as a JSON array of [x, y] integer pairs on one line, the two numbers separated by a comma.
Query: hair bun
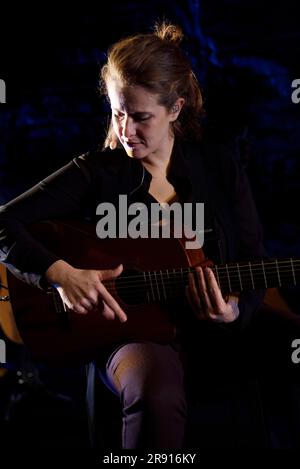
[[168, 32]]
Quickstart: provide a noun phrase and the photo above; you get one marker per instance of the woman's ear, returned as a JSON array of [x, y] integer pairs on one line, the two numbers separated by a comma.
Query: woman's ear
[[176, 108]]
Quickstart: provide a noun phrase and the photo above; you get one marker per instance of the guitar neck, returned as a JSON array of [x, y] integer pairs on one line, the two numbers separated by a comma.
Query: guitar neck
[[163, 285], [256, 275]]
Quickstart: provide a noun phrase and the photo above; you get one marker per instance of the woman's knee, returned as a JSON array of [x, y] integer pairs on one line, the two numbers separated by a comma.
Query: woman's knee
[[147, 372]]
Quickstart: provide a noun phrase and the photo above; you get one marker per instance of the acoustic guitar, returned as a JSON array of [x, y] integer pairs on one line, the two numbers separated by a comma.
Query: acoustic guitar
[[154, 278]]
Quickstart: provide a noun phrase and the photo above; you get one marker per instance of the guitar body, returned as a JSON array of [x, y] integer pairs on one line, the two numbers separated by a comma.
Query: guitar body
[[7, 319], [54, 335]]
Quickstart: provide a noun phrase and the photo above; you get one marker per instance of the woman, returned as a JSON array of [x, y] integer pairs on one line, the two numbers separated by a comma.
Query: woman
[[154, 152]]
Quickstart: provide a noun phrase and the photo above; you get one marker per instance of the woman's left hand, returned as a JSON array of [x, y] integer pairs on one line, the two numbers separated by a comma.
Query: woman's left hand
[[206, 300]]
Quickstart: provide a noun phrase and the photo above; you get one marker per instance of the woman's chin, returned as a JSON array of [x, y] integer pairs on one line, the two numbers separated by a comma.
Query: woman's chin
[[134, 152]]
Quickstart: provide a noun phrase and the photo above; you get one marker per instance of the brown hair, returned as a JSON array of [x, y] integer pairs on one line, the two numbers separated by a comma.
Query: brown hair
[[156, 62]]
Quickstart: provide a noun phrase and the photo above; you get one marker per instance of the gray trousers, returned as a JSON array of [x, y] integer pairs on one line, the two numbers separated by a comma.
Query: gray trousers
[[148, 379]]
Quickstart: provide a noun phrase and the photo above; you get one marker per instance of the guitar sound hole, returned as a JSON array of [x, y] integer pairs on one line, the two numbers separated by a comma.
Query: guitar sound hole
[[131, 287]]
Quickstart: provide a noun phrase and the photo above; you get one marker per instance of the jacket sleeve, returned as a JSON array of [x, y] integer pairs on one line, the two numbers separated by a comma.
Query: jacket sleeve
[[65, 193]]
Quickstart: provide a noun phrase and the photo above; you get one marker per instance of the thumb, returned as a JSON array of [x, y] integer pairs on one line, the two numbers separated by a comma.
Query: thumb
[[111, 273]]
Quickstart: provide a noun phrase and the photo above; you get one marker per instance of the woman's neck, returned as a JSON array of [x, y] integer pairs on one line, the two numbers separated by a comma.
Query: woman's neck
[[158, 163]]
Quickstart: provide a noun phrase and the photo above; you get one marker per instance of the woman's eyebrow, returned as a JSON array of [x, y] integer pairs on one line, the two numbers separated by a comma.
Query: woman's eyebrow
[[132, 113], [139, 113]]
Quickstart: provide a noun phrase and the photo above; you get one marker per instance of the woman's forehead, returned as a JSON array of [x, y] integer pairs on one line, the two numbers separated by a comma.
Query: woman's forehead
[[135, 97]]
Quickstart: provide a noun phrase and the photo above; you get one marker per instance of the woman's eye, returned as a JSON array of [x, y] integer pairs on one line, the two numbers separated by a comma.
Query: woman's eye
[[142, 118], [136, 118]]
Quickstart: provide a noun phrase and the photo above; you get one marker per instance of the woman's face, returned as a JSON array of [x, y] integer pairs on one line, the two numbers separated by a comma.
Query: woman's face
[[141, 124]]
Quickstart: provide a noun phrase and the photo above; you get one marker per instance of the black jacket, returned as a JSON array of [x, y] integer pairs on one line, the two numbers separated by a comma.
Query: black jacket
[[201, 172]]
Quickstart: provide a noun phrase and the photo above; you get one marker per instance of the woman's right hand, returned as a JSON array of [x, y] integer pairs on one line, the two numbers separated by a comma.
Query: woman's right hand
[[82, 290]]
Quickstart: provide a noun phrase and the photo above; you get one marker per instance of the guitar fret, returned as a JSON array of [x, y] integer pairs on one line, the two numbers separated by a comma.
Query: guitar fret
[[169, 282], [251, 275], [191, 270], [217, 274], [239, 274], [163, 285], [294, 276], [147, 292], [176, 278], [264, 272], [279, 279], [150, 281], [157, 287], [228, 277]]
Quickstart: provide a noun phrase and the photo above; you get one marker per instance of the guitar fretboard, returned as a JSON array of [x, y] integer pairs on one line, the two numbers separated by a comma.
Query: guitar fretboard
[[257, 275], [162, 285]]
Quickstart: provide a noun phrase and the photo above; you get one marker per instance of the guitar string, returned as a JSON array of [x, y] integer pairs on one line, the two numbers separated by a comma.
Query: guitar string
[[225, 287], [157, 291], [167, 290], [160, 275], [171, 275], [231, 267], [159, 294], [178, 272], [266, 268], [176, 281]]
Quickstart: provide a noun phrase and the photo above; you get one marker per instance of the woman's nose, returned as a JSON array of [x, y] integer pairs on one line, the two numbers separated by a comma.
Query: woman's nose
[[129, 128]]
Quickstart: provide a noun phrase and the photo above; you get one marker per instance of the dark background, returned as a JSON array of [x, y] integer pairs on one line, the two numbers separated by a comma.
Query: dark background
[[245, 53]]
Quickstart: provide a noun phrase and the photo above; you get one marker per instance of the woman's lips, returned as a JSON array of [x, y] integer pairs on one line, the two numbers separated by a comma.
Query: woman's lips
[[132, 144]]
